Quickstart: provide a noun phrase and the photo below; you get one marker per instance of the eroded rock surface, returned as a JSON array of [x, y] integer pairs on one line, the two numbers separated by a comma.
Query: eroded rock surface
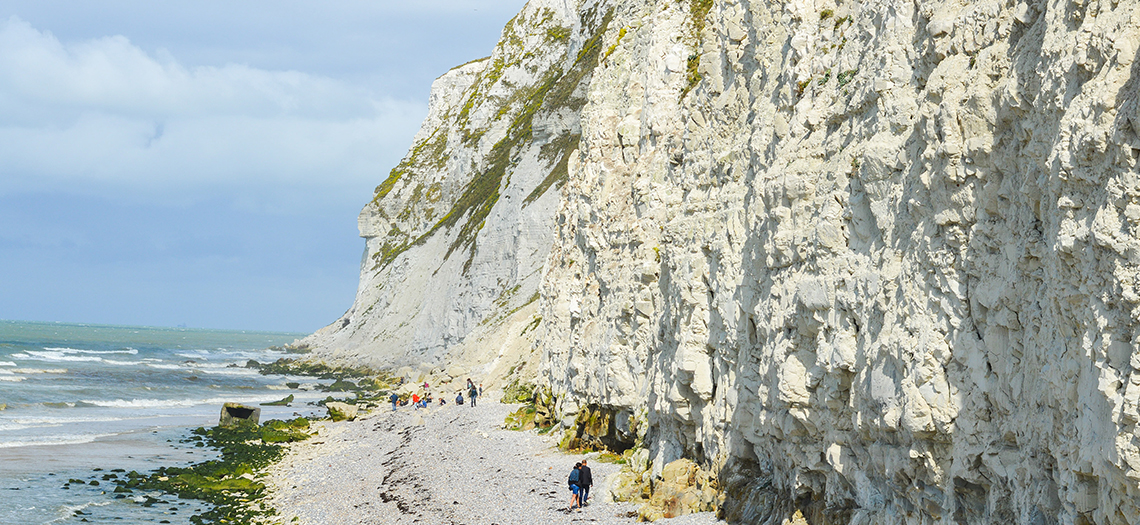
[[874, 262], [881, 256], [457, 235]]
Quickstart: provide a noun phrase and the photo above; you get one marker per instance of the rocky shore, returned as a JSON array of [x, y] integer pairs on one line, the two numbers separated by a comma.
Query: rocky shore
[[444, 465]]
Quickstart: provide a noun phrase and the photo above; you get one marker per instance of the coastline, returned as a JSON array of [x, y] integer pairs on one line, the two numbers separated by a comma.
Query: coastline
[[86, 405], [450, 464]]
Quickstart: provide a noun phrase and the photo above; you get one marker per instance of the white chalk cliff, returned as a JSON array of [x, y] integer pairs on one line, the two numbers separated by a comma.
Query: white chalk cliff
[[876, 261]]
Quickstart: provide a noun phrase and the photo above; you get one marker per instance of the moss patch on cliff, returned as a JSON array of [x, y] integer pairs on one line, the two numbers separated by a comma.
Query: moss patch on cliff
[[613, 47], [428, 154], [538, 411], [559, 148], [479, 197], [594, 430], [698, 12]]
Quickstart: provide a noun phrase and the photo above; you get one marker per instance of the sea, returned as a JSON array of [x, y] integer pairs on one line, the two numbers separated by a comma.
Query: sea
[[78, 401]]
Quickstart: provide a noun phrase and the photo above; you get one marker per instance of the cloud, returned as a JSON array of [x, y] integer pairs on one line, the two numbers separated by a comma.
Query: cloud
[[104, 111]]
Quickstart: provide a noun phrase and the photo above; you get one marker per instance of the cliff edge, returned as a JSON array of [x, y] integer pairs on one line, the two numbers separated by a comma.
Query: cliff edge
[[871, 262]]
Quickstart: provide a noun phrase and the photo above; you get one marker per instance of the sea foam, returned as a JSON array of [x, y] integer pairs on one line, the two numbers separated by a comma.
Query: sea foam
[[53, 356], [174, 403], [55, 440], [66, 350]]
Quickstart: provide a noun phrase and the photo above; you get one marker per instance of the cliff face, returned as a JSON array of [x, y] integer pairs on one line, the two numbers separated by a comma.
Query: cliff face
[[873, 260], [456, 236]]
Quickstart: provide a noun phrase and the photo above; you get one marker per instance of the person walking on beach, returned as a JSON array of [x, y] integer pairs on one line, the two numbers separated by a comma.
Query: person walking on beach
[[472, 393], [394, 398], [585, 481], [575, 479]]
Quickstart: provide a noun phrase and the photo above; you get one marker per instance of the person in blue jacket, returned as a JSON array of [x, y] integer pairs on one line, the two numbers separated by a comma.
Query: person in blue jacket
[[575, 490]]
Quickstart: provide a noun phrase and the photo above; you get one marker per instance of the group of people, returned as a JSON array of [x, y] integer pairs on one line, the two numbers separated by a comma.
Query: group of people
[[580, 482], [418, 402], [472, 393]]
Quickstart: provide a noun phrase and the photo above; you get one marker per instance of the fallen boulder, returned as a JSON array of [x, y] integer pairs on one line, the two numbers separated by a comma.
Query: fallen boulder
[[341, 411], [234, 414]]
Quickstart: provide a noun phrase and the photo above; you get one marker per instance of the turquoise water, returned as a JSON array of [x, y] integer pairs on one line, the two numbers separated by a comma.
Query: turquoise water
[[74, 398]]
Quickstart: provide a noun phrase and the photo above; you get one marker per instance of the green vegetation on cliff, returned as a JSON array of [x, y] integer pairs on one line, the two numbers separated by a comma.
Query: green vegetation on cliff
[[557, 90], [698, 12]]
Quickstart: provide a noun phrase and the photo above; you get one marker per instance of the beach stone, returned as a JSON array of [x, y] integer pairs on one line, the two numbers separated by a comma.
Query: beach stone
[[341, 411], [234, 414], [681, 472], [627, 486]]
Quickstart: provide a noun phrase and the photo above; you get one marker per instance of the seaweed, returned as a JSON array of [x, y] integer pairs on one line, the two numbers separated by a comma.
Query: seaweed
[[229, 484], [280, 403], [295, 367]]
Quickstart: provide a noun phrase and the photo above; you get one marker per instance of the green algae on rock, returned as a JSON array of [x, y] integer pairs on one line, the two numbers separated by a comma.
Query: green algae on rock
[[284, 402], [538, 412], [230, 483], [297, 367]]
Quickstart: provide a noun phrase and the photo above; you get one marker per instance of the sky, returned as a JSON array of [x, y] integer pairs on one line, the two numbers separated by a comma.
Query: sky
[[202, 163]]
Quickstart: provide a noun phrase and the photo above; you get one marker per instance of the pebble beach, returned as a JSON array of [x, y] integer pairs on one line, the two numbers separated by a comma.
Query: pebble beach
[[443, 465]]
